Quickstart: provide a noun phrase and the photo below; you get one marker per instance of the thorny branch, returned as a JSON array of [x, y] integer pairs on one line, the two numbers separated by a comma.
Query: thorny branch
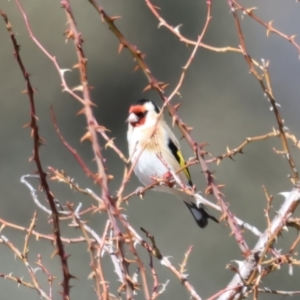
[[185, 130], [37, 142], [265, 83], [118, 236]]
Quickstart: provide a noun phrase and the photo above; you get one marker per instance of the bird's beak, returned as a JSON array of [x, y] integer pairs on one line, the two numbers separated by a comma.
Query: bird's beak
[[133, 118]]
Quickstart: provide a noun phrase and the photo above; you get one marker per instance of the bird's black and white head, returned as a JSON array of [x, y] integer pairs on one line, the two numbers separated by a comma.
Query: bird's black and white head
[[144, 113]]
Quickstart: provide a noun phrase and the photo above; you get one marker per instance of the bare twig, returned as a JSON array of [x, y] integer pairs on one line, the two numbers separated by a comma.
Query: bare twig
[[28, 235], [4, 240], [265, 83], [37, 142], [248, 269], [268, 25], [176, 32]]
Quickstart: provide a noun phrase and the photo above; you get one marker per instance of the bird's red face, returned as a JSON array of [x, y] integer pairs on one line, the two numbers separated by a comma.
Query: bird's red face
[[143, 113], [137, 115]]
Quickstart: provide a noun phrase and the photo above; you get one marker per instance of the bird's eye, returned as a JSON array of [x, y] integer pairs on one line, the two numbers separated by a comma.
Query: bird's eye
[[141, 115]]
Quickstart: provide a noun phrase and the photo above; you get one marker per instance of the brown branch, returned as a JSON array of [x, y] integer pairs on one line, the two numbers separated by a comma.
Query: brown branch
[[28, 235], [39, 235], [216, 295], [37, 142], [175, 31], [153, 250], [30, 270], [239, 149], [277, 292], [102, 179], [159, 87], [249, 268], [268, 26], [105, 289], [269, 205], [73, 151], [47, 272], [91, 249], [265, 83], [190, 59], [18, 280], [185, 260]]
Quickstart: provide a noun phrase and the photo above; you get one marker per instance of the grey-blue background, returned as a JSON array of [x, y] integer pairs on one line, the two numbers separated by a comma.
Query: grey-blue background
[[221, 100]]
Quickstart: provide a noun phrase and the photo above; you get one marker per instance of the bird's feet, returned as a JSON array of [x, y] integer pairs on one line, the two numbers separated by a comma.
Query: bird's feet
[[168, 179], [140, 191]]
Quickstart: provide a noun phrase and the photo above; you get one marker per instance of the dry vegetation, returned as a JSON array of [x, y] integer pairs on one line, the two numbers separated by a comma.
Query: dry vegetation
[[118, 240]]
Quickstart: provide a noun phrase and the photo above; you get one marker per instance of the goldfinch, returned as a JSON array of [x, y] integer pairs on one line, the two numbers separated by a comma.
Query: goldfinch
[[155, 154]]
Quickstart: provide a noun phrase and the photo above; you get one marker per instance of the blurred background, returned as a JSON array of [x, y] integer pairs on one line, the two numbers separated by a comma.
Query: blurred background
[[220, 99]]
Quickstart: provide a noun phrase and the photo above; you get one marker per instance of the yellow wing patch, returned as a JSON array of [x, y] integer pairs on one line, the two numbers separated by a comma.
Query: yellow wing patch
[[182, 164], [179, 157]]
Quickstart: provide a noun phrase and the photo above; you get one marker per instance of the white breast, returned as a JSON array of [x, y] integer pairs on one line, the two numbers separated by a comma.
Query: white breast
[[148, 166]]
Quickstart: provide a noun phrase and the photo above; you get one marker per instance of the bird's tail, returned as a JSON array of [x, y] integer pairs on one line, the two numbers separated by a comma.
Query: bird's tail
[[200, 214], [198, 210]]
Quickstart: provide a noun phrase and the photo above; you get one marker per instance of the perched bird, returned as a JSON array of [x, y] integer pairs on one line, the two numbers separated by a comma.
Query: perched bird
[[155, 153]]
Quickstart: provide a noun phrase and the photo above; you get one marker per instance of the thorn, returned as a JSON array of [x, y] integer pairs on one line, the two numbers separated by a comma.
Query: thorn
[[72, 276], [115, 18], [102, 18], [120, 48], [291, 270], [269, 30], [36, 269], [36, 117], [69, 34], [77, 88], [136, 68], [42, 141], [54, 253], [161, 23], [176, 29], [285, 194], [248, 11], [108, 144], [174, 120], [92, 275], [81, 112], [100, 129], [87, 135], [208, 190], [2, 227], [148, 87], [176, 106], [63, 71], [184, 125], [292, 37], [164, 86], [240, 263]]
